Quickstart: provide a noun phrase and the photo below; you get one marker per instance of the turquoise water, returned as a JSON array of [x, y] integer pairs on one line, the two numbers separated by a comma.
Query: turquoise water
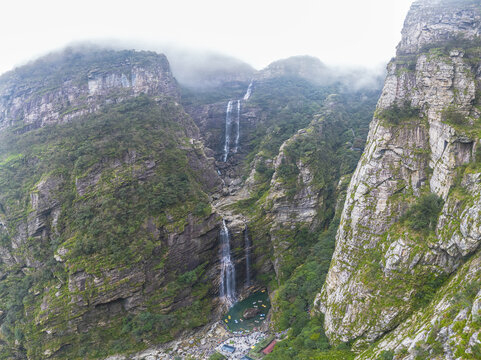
[[234, 320]]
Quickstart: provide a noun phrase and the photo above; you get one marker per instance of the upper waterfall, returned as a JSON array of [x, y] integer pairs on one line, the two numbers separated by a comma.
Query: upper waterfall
[[228, 124]]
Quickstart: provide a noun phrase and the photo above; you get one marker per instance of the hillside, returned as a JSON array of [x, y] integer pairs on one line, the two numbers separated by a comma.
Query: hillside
[[113, 197], [138, 213], [95, 208]]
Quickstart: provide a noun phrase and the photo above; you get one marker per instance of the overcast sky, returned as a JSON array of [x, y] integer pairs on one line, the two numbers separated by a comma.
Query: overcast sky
[[343, 32]]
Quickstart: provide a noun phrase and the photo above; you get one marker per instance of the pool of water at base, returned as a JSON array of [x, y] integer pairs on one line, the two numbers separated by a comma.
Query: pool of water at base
[[234, 319]]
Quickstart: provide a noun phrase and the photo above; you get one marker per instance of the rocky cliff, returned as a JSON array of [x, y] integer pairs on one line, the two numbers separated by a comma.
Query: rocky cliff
[[410, 223], [112, 196], [105, 218], [59, 87]]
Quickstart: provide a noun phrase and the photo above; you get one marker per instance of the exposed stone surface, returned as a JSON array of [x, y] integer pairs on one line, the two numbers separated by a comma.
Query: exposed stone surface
[[250, 313], [432, 21], [84, 296], [366, 292], [446, 329], [58, 100], [285, 212]]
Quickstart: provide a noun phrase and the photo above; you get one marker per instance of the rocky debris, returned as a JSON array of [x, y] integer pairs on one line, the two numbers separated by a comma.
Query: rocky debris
[[200, 344]]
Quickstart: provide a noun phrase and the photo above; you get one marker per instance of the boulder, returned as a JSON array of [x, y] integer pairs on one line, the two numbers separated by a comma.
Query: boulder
[[250, 313]]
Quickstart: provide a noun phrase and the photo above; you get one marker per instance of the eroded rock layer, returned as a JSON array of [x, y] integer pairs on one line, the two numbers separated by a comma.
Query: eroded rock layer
[[410, 219]]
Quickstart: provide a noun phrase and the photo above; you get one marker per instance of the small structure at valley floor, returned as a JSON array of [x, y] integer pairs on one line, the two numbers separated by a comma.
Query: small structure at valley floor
[[228, 348], [268, 349]]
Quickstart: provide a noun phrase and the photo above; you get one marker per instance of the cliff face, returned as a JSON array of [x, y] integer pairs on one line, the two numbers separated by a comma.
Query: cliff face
[[307, 170], [60, 87], [111, 197], [104, 207], [420, 160]]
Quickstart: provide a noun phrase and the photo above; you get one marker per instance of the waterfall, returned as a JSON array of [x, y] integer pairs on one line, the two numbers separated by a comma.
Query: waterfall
[[247, 247], [227, 272], [228, 125], [236, 143], [248, 92]]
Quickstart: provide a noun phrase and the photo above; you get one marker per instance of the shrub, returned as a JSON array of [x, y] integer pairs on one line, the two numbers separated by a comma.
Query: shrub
[[386, 355], [423, 215], [451, 115], [428, 290], [217, 356], [395, 113]]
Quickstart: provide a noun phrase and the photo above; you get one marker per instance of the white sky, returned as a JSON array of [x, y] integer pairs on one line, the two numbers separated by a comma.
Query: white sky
[[343, 32]]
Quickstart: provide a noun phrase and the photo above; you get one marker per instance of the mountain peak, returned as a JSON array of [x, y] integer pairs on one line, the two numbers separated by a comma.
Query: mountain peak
[[303, 66], [434, 21]]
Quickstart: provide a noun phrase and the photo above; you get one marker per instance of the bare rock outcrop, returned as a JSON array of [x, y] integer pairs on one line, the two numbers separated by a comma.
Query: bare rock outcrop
[[421, 141]]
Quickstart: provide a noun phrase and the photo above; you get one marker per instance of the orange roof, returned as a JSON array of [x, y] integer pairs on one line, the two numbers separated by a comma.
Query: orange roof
[[268, 349]]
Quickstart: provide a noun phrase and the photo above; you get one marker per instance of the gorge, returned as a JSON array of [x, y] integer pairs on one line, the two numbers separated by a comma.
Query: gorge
[[142, 218]]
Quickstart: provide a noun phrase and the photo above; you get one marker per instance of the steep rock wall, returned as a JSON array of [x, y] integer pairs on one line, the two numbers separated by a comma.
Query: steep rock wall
[[104, 219], [422, 138], [44, 92]]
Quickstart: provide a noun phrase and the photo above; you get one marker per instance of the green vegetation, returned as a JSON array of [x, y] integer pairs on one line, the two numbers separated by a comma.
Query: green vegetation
[[423, 215], [386, 355], [217, 356], [405, 63], [451, 115], [77, 64], [295, 297], [469, 46], [141, 177], [427, 291], [289, 105], [121, 181], [311, 343], [330, 148], [307, 339], [461, 122], [396, 114]]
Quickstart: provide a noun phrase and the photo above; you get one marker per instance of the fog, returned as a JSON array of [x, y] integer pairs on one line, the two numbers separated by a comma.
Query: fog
[[205, 69], [345, 32]]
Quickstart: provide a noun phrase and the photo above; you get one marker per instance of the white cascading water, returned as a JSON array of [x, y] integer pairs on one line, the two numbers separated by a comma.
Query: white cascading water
[[237, 123], [247, 247], [227, 272], [248, 92], [228, 125]]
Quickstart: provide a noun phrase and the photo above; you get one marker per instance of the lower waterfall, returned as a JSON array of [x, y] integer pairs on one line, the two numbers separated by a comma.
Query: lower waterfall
[[227, 272]]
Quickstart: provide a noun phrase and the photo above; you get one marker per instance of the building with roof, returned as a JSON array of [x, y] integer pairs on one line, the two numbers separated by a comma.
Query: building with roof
[[245, 357], [268, 349], [228, 348]]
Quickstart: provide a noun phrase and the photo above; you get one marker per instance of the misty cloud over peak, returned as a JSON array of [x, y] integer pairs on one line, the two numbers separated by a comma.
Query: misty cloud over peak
[[194, 68]]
